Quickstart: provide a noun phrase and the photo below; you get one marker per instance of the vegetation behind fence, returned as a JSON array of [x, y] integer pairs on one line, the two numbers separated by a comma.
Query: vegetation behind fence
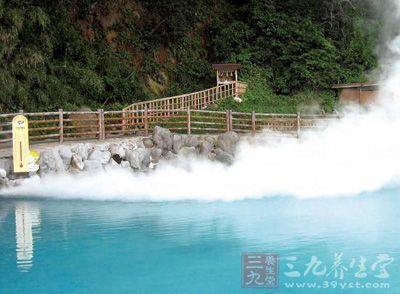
[[64, 125]]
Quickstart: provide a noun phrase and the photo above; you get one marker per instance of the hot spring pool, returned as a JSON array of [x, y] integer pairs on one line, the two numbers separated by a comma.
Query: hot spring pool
[[73, 246]]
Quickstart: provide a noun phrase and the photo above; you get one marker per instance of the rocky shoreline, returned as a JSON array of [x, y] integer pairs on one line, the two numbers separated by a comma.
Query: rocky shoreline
[[140, 154]]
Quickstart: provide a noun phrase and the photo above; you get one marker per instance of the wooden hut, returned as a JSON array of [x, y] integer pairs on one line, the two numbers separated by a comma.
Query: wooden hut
[[361, 93], [226, 72]]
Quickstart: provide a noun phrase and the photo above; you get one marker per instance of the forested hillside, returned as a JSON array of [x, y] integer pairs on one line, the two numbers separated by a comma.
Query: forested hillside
[[70, 53]]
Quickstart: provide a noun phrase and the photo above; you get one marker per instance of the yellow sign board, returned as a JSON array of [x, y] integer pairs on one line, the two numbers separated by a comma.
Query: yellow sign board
[[20, 144]]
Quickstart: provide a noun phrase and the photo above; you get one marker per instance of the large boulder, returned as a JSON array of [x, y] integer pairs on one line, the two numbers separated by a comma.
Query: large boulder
[[188, 151], [223, 157], [170, 156], [162, 138], [210, 139], [3, 173], [117, 152], [92, 165], [228, 141], [177, 143], [77, 162], [148, 142], [82, 150], [50, 161], [205, 148], [112, 165], [138, 158], [190, 141], [100, 147], [4, 181], [117, 149], [155, 154], [6, 163], [125, 164], [102, 156], [65, 154], [134, 143]]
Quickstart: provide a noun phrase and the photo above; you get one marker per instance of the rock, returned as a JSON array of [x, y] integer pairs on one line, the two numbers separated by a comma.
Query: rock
[[224, 157], [188, 151], [210, 139], [92, 165], [155, 154], [11, 183], [205, 148], [112, 165], [6, 163], [133, 144], [125, 164], [227, 142], [4, 182], [190, 141], [162, 138], [177, 143], [116, 158], [170, 155], [102, 156], [118, 150], [138, 158], [82, 150], [77, 162], [102, 147], [3, 173], [65, 154], [212, 156], [148, 143], [50, 161]]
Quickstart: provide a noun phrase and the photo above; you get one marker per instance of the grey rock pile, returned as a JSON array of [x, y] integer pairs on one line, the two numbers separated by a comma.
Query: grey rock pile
[[137, 154]]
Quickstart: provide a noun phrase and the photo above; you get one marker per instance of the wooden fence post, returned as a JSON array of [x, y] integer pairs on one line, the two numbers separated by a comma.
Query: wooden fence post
[[298, 124], [227, 120], [189, 131], [146, 121], [100, 114], [103, 125], [230, 121], [124, 122], [253, 122], [61, 125]]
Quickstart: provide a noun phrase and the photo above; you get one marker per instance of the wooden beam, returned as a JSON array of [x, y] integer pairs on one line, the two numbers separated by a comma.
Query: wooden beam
[[61, 125]]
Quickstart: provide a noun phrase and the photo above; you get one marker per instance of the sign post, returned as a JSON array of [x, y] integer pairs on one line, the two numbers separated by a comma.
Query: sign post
[[20, 145]]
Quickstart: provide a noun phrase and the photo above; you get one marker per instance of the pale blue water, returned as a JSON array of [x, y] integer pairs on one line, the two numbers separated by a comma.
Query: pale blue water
[[61, 246]]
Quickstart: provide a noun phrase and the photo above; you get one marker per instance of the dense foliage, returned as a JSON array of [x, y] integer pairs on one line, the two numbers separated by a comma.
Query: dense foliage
[[70, 53]]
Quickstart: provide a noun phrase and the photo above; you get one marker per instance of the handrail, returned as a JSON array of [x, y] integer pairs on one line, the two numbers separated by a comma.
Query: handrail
[[106, 124], [195, 100]]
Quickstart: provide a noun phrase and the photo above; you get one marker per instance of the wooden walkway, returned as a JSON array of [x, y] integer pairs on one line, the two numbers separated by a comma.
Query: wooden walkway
[[197, 100]]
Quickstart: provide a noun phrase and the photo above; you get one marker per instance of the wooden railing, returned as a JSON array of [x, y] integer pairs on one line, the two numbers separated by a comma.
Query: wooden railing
[[65, 125], [197, 100]]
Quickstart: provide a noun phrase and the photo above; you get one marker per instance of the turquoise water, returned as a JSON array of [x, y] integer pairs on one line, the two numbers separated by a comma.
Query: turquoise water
[[76, 246]]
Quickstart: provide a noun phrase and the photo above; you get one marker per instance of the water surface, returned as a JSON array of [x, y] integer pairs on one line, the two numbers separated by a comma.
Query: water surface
[[77, 246]]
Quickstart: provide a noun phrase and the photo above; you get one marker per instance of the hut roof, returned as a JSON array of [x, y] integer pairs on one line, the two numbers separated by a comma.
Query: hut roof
[[226, 66], [356, 85]]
